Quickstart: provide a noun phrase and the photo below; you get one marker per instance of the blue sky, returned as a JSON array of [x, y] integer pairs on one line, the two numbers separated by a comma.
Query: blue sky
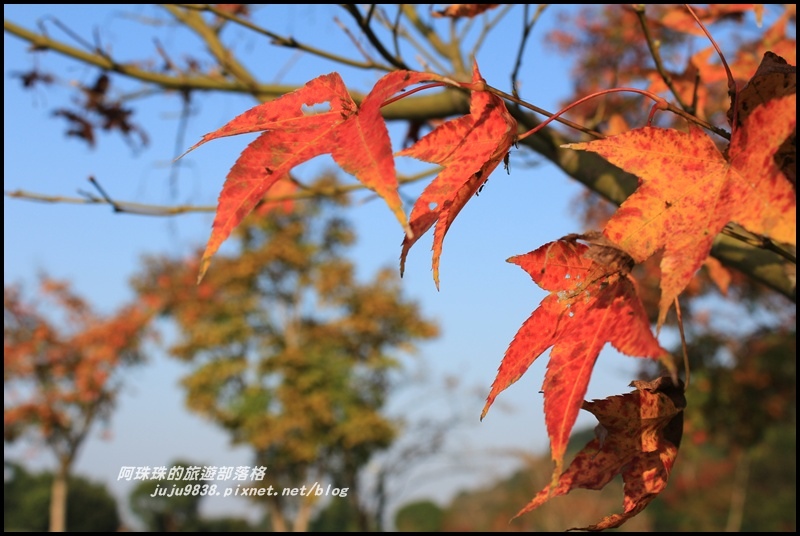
[[482, 302]]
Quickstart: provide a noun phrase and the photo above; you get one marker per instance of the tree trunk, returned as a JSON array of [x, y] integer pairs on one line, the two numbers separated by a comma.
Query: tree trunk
[[739, 494], [58, 499], [276, 517], [303, 517]]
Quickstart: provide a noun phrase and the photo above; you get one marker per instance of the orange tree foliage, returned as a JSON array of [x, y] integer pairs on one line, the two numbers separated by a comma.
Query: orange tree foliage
[[700, 158], [61, 364]]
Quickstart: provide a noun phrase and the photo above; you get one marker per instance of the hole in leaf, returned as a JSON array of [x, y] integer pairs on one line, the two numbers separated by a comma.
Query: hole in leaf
[[315, 109], [432, 205]]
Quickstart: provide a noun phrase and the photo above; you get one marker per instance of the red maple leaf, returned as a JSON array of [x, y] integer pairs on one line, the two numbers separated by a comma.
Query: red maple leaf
[[355, 136], [469, 148], [638, 437], [689, 190], [592, 301]]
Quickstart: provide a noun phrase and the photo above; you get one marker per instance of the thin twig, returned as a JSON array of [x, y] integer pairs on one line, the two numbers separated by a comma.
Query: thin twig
[[488, 26], [105, 195], [733, 91], [430, 35], [77, 38], [372, 38], [288, 42], [527, 30], [758, 241], [656, 55], [146, 209]]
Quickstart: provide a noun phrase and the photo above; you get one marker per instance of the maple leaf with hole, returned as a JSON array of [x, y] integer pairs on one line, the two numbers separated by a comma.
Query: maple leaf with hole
[[638, 437], [293, 133], [469, 148], [592, 301], [688, 191]]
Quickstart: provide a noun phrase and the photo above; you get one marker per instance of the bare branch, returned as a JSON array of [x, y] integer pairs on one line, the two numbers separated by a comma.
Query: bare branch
[[287, 42], [364, 26]]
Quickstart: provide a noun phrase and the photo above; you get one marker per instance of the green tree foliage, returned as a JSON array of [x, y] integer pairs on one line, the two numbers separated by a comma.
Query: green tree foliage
[[177, 513], [420, 516], [291, 354], [337, 516], [736, 475], [26, 502]]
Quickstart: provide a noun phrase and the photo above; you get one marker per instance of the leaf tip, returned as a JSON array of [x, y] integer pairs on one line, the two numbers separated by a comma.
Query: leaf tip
[[189, 150], [204, 262]]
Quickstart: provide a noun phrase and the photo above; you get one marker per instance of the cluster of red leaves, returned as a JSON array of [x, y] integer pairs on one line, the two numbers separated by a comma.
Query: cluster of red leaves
[[688, 191], [592, 301]]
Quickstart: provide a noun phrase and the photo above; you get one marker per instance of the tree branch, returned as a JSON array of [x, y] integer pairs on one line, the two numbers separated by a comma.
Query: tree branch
[[287, 42], [590, 169]]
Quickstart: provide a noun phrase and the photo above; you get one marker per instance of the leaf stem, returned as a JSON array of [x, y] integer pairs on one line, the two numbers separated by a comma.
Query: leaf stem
[[660, 103], [683, 343], [541, 111], [409, 92]]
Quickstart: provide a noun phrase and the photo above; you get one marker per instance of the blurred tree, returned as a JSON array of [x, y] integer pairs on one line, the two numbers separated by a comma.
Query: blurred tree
[[420, 516], [734, 455], [61, 372], [26, 500], [293, 355], [336, 516], [178, 513]]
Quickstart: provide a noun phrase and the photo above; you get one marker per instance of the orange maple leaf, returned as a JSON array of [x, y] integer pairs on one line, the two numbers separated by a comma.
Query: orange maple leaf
[[773, 79], [688, 191], [638, 437], [355, 136], [456, 11], [592, 301], [469, 148], [680, 20]]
